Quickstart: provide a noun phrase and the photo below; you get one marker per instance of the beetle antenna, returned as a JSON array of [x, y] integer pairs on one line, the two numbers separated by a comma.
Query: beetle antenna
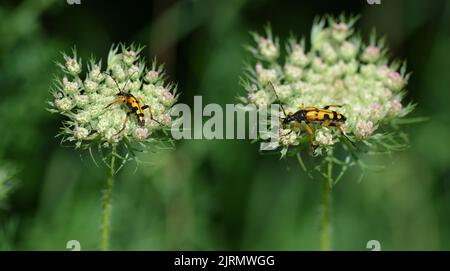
[[157, 121], [128, 80], [278, 98], [353, 143], [117, 84]]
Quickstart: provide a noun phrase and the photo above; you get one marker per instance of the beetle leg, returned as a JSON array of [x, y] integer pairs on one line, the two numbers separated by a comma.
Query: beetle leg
[[125, 121], [114, 102], [340, 129], [310, 132], [327, 123], [288, 133], [150, 112], [343, 134]]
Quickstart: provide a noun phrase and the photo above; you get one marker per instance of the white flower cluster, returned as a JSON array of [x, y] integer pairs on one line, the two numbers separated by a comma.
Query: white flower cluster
[[338, 69], [91, 103]]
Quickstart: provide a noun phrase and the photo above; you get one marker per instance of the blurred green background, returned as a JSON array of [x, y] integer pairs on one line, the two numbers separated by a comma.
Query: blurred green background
[[220, 194]]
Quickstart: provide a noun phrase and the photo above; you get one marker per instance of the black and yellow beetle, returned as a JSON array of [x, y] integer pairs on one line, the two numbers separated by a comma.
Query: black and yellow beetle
[[134, 105], [311, 114]]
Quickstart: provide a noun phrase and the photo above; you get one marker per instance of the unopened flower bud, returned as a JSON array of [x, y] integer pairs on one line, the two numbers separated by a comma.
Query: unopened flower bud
[[340, 31], [371, 54], [151, 76], [80, 133], [73, 66], [268, 49], [63, 104]]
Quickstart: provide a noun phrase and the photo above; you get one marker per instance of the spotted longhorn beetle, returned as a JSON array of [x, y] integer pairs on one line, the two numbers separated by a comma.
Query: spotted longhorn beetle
[[311, 114], [135, 106]]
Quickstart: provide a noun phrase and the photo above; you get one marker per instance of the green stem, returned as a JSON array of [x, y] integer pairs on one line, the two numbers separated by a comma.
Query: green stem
[[106, 206], [325, 221]]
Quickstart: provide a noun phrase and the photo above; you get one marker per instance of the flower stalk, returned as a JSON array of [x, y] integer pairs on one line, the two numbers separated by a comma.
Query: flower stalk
[[337, 70], [325, 219], [97, 118], [107, 206]]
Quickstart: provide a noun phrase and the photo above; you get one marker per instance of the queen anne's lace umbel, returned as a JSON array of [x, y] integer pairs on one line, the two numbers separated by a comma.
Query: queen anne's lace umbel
[[337, 68], [87, 101]]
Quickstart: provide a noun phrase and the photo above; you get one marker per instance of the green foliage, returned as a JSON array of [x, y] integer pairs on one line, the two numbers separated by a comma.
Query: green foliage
[[7, 182], [215, 194]]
